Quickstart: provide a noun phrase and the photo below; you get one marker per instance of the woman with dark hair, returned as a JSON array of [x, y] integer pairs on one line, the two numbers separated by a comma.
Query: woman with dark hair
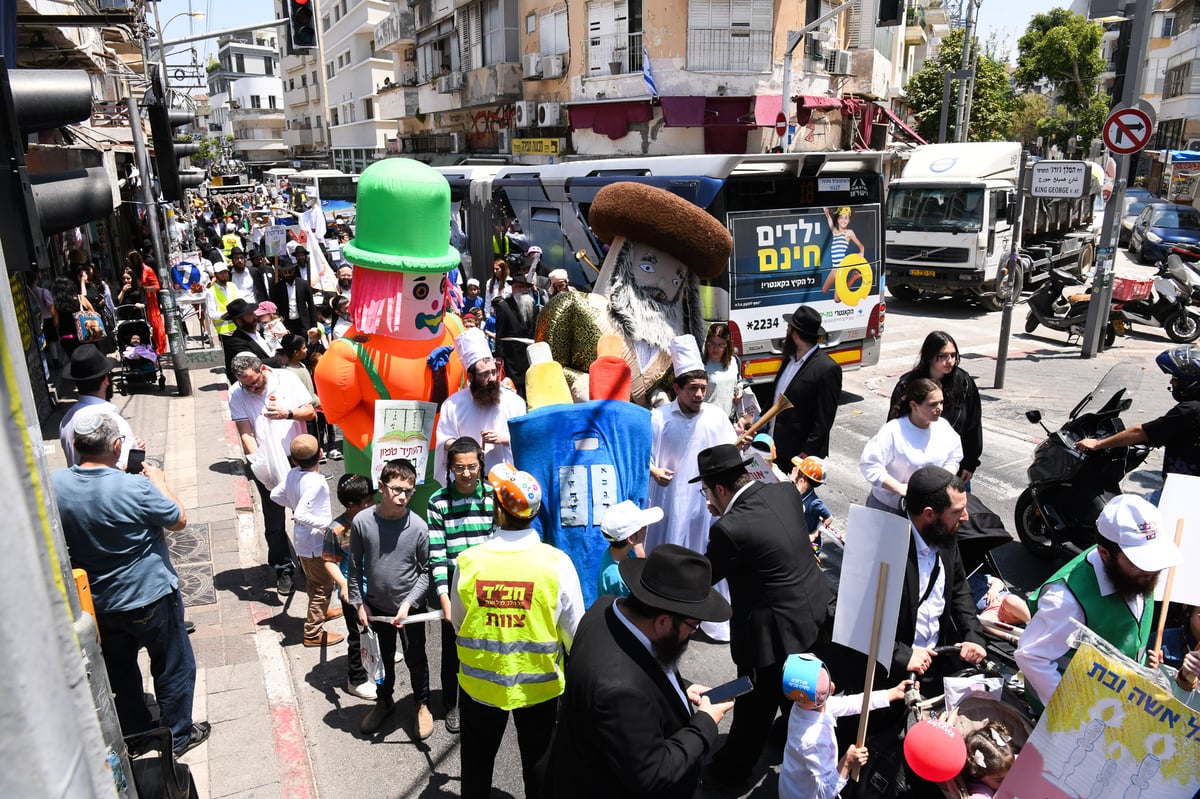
[[722, 368], [939, 361], [131, 292], [916, 436], [150, 284], [497, 287], [68, 301]]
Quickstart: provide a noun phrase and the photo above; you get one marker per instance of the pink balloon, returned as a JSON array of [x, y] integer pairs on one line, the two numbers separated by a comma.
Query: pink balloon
[[935, 750]]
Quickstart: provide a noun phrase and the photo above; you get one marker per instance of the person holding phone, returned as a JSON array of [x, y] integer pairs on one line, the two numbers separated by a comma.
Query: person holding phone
[[91, 370]]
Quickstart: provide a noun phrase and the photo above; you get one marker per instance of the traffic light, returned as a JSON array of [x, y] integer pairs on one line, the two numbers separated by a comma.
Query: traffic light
[[302, 27], [167, 151], [35, 100], [891, 12]]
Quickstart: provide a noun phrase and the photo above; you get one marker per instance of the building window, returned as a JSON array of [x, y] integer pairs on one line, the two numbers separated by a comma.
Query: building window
[[501, 34], [240, 63], [314, 77], [271, 101], [1168, 28], [729, 35], [292, 83], [372, 48], [368, 109], [325, 23], [615, 37], [329, 70], [255, 101], [333, 117], [343, 8], [269, 65], [303, 81], [1178, 80], [552, 37]]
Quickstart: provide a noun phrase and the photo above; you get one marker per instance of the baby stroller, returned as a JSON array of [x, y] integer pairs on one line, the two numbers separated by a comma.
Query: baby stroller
[[135, 345]]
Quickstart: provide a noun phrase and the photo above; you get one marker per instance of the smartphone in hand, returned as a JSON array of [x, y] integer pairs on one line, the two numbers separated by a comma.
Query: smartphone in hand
[[730, 690], [136, 458]]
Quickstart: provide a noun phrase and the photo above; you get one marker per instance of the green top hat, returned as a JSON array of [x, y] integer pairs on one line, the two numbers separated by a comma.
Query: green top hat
[[403, 219]]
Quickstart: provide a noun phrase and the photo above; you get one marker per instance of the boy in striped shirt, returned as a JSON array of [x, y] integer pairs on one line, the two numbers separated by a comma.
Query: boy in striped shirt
[[459, 516]]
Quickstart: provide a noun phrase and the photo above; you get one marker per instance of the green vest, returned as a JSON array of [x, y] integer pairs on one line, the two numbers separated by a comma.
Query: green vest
[[223, 297], [508, 648]]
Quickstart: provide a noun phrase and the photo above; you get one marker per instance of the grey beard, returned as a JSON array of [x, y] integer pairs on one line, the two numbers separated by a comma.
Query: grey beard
[[640, 316], [526, 308]]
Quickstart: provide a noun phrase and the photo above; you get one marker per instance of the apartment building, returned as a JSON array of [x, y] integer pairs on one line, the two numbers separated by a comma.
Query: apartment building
[[246, 98], [304, 133]]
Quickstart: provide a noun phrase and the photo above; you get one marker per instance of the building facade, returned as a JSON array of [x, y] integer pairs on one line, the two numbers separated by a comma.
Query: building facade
[[246, 98]]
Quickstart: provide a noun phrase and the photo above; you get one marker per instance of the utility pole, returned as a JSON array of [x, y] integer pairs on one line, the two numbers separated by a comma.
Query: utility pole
[[1101, 295], [966, 84]]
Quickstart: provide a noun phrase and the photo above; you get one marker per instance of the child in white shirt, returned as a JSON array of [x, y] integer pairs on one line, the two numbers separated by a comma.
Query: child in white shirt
[[810, 767]]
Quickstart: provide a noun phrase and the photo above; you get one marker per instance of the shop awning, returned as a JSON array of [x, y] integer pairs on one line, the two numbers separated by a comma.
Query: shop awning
[[908, 132], [726, 120], [610, 117], [766, 109]]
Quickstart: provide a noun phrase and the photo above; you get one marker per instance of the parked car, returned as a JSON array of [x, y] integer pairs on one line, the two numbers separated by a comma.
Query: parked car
[[1158, 226], [1138, 193], [1133, 207]]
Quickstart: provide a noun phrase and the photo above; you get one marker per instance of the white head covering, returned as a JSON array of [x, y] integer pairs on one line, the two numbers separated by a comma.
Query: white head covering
[[685, 355], [472, 347]]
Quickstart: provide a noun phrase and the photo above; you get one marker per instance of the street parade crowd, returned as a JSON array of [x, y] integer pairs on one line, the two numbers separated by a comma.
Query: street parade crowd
[[599, 486]]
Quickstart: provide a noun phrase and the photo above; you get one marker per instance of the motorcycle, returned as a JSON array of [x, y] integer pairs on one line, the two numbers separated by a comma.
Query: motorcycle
[[1166, 302], [1049, 306], [1056, 514]]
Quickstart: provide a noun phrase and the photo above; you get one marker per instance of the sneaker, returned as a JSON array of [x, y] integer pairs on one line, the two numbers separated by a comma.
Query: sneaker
[[453, 724], [424, 723], [200, 732], [326, 638], [333, 613], [398, 657], [374, 720], [284, 584], [335, 455], [367, 690]]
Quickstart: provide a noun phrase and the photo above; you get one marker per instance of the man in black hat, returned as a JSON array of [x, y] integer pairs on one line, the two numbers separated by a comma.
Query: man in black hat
[[629, 724], [293, 295], [811, 380], [516, 322], [779, 595], [250, 281], [245, 337], [91, 370]]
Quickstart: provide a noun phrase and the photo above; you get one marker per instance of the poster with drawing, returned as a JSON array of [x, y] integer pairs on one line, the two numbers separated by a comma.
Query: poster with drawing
[[403, 429], [1108, 732]]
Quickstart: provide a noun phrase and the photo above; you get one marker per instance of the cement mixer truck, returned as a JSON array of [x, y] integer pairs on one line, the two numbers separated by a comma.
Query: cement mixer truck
[[950, 221]]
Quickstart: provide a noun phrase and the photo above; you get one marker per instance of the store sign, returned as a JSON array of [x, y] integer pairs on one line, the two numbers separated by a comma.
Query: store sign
[[537, 146]]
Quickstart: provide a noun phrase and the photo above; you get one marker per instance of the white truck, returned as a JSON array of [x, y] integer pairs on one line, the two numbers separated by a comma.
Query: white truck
[[951, 217]]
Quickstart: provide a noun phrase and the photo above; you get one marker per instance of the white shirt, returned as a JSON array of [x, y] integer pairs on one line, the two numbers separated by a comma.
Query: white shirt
[[810, 758], [462, 417], [293, 312], [672, 677], [245, 284], [89, 405], [306, 494], [900, 448], [929, 612], [1045, 638], [276, 434], [786, 375]]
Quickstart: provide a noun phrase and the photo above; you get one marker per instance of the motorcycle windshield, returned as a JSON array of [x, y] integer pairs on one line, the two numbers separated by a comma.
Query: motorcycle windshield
[[1113, 394]]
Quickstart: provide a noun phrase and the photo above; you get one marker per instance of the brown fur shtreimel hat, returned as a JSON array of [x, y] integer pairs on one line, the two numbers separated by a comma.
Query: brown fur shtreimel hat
[[657, 217]]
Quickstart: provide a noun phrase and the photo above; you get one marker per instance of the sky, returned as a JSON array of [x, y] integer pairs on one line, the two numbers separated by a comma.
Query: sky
[[1008, 19], [218, 15]]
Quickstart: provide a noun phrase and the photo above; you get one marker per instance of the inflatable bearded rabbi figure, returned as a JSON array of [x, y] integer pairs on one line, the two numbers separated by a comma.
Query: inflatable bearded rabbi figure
[[648, 289], [401, 344]]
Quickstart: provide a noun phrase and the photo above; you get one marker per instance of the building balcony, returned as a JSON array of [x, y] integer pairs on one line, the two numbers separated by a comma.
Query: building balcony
[[914, 26], [869, 74], [398, 102], [304, 137], [397, 31], [258, 145]]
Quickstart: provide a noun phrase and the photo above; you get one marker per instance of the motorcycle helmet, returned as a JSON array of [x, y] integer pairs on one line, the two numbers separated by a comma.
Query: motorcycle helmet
[[1182, 363]]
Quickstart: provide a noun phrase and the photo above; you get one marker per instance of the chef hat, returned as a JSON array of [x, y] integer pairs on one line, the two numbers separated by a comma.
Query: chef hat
[[472, 346], [685, 355]]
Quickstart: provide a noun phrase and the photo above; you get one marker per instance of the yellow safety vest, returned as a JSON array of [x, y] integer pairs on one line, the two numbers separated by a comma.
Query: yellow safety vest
[[508, 647], [223, 297]]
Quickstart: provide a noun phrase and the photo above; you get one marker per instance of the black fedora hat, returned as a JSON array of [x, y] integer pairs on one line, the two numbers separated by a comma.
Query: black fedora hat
[[89, 363], [805, 321], [677, 580], [721, 458], [238, 308]]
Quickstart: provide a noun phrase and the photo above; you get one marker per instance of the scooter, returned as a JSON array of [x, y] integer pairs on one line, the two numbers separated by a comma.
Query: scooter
[[1050, 307], [1167, 303], [1056, 514]]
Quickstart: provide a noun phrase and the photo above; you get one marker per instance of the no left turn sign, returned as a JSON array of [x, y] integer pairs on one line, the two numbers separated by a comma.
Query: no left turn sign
[[1127, 130]]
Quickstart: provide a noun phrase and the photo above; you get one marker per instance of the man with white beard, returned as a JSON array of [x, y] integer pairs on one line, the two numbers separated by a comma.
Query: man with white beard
[[481, 410], [647, 291], [516, 318]]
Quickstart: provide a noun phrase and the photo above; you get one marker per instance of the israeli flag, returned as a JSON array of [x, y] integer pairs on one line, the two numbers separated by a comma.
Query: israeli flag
[[646, 76]]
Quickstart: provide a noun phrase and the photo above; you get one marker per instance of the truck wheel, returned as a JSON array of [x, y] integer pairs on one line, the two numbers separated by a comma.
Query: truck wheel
[[1182, 327], [903, 291], [1032, 528], [1010, 284], [1110, 335]]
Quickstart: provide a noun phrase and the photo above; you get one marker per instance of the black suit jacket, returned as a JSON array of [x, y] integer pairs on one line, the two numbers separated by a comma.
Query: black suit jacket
[[305, 304], [814, 393], [237, 342], [623, 730], [779, 594], [514, 353]]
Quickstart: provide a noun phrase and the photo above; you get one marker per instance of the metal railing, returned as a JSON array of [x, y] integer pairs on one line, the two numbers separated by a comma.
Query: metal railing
[[615, 54], [729, 49]]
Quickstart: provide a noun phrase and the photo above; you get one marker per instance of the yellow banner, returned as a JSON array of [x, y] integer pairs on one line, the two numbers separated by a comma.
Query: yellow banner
[[536, 146]]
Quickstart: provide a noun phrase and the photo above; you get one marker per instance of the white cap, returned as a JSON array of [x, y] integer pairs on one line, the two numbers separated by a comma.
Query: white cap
[[472, 346], [1135, 526], [473, 282], [685, 355], [558, 274], [626, 518]]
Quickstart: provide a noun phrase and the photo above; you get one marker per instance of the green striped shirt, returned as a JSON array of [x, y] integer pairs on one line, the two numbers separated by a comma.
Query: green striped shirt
[[456, 523]]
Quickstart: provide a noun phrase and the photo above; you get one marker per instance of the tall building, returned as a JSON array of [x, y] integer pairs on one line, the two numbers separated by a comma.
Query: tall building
[[305, 133], [246, 98], [353, 73]]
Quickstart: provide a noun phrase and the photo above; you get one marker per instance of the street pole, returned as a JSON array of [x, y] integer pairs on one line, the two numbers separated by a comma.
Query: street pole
[[1015, 277], [793, 41], [166, 298], [961, 120], [1101, 294]]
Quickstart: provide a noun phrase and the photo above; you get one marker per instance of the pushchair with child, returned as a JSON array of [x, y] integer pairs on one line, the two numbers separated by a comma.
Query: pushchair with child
[[140, 364]]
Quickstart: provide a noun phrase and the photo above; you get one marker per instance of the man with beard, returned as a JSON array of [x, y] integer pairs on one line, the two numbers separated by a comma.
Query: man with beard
[[293, 296], [91, 370], [245, 337], [345, 277], [482, 409], [647, 291], [1109, 587], [629, 724], [250, 281], [218, 296], [516, 319]]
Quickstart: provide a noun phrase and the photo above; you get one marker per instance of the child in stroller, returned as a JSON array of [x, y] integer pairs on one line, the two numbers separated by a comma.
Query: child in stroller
[[139, 361]]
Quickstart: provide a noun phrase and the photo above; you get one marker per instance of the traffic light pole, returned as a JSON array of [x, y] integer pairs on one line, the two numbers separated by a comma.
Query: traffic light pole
[[166, 298]]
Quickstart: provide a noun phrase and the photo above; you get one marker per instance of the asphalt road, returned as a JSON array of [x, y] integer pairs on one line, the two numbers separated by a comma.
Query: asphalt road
[[1043, 372]]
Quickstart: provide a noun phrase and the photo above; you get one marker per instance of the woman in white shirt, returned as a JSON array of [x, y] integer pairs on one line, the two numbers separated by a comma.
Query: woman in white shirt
[[917, 437], [497, 287]]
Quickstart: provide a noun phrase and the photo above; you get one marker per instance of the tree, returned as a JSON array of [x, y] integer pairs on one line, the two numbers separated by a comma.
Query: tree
[[1060, 50], [1028, 111], [991, 104]]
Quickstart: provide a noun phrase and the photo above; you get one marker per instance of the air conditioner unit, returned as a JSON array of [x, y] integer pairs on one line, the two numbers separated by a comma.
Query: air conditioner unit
[[526, 114], [549, 114], [552, 66], [839, 62], [532, 65], [448, 84], [502, 143], [457, 142]]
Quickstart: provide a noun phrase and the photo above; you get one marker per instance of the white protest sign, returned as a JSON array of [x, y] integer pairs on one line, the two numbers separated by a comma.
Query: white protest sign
[[1179, 502], [872, 537], [760, 469], [403, 429]]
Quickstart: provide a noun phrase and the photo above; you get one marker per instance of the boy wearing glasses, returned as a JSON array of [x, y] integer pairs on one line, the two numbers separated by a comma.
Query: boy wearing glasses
[[459, 517], [389, 550]]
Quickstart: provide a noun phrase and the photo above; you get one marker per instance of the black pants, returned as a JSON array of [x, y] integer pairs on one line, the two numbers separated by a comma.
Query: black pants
[[355, 672], [483, 730], [449, 666], [412, 643], [753, 715], [279, 550]]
